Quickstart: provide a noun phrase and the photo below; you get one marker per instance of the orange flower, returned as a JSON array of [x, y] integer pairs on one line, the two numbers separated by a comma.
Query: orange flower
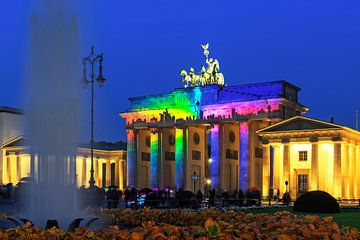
[[136, 236]]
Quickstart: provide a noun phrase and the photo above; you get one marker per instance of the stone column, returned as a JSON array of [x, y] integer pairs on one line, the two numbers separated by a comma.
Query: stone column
[[84, 171], [131, 158], [276, 167], [121, 174], [244, 156], [8, 168], [352, 153], [181, 163], [357, 172], [97, 172], [215, 166], [286, 166], [117, 177], [18, 168], [271, 180], [338, 188], [345, 171], [108, 172], [266, 171], [154, 160], [314, 167], [160, 159]]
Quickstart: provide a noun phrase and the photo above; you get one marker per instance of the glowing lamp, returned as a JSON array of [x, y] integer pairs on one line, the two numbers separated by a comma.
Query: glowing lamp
[[208, 181], [210, 160]]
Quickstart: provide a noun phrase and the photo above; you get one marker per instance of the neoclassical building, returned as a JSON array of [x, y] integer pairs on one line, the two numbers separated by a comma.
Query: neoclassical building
[[207, 130], [311, 154], [237, 137], [109, 159], [109, 163]]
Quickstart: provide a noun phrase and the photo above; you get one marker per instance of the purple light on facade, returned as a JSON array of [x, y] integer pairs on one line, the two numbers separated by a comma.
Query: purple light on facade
[[244, 156], [215, 156]]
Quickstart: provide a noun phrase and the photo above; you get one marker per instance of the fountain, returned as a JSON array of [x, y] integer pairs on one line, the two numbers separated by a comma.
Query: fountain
[[52, 108]]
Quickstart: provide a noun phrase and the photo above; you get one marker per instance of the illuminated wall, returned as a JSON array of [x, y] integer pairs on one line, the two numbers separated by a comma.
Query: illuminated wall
[[131, 158], [215, 156], [211, 104], [244, 155], [179, 158], [154, 160], [213, 101]]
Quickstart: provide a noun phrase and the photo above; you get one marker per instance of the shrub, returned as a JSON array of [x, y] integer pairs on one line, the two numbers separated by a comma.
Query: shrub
[[316, 202]]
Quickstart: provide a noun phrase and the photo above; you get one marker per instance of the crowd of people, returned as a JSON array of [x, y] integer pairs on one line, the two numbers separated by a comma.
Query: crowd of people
[[164, 198]]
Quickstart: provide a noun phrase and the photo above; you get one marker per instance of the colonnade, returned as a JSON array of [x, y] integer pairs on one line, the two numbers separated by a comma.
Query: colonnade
[[228, 168]]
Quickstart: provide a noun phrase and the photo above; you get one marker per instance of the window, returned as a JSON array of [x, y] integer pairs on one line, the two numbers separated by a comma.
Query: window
[[196, 155], [232, 154], [302, 183], [169, 156], [303, 156], [196, 138]]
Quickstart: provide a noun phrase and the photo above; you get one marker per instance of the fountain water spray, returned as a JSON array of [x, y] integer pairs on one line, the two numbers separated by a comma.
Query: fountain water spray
[[52, 108]]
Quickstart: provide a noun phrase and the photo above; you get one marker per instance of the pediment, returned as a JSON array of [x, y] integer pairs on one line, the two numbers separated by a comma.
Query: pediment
[[299, 123]]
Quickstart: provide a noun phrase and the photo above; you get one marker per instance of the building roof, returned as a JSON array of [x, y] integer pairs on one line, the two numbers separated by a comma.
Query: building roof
[[108, 146], [12, 110], [23, 141], [302, 123], [213, 94]]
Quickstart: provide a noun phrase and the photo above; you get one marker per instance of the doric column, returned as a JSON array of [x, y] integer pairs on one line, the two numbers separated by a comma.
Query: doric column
[[338, 188], [18, 168], [314, 167], [181, 158], [286, 166], [8, 169], [154, 159], [97, 172], [345, 171], [276, 167], [271, 153], [117, 177], [266, 171], [108, 172], [131, 158], [84, 171], [215, 146], [244, 156], [121, 174], [351, 179], [357, 172]]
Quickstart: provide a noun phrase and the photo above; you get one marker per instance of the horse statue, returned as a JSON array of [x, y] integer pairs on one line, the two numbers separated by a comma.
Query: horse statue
[[186, 78], [208, 75], [195, 79]]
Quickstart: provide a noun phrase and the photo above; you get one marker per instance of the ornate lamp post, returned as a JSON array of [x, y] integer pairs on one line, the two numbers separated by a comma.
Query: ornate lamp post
[[92, 59]]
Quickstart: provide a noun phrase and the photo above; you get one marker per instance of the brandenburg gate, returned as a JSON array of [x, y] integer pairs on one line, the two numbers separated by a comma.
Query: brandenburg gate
[[205, 132]]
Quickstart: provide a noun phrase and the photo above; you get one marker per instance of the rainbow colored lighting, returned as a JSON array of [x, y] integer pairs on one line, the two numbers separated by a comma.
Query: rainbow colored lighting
[[212, 100], [179, 158], [244, 155], [131, 158], [215, 156], [154, 162]]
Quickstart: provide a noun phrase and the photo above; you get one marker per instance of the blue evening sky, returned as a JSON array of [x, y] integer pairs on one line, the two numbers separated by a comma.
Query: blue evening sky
[[314, 44]]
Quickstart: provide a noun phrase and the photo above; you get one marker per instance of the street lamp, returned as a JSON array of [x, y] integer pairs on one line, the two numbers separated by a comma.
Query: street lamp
[[92, 59]]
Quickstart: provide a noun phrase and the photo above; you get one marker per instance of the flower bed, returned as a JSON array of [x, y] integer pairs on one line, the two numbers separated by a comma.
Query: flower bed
[[207, 224]]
